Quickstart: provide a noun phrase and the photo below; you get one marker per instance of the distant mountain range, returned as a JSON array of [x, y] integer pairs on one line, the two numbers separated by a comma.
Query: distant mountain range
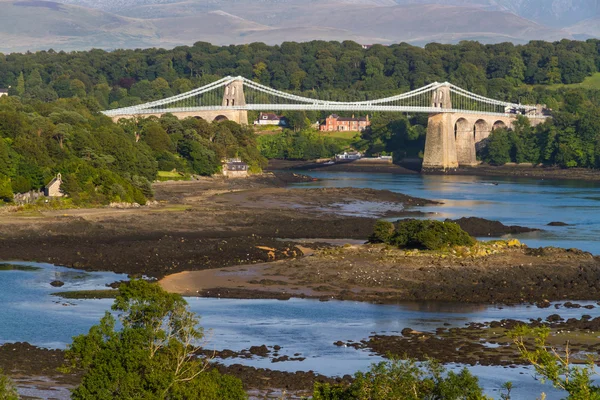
[[82, 24]]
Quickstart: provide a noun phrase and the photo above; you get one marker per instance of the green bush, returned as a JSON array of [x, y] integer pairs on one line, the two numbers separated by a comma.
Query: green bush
[[148, 353], [6, 193], [404, 380], [7, 388], [383, 231], [421, 234]]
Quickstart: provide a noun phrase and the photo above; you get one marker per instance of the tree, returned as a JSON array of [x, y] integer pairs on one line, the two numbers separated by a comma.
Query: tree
[[405, 380], [555, 366], [152, 356], [34, 80], [8, 391], [498, 147], [156, 137], [6, 192], [21, 84]]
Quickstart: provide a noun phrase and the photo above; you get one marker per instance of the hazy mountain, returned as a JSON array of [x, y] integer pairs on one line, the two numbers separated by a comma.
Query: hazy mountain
[[30, 25], [556, 13], [36, 24]]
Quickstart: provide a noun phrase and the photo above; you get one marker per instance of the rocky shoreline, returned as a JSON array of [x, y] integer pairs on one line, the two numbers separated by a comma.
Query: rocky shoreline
[[288, 243], [482, 170], [486, 344]]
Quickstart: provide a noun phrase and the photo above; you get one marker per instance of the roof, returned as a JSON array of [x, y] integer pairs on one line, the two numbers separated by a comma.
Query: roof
[[335, 116], [270, 117], [57, 178], [52, 182], [3, 90]]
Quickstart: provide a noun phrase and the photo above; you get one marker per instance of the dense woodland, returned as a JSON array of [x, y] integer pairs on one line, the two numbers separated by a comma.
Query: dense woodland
[[339, 71], [101, 161], [51, 121]]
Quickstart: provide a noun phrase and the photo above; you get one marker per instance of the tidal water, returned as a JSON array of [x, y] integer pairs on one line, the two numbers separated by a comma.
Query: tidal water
[[307, 327], [513, 201], [29, 312]]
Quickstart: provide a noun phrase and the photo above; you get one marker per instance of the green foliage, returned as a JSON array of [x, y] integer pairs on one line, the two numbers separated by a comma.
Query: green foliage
[[404, 380], [152, 356], [570, 139], [421, 234], [103, 162], [8, 391], [555, 366], [383, 231], [304, 145], [6, 192], [497, 151], [561, 75], [392, 134]]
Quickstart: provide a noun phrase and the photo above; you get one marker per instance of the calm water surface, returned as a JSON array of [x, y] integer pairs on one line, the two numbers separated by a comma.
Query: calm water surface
[[29, 312], [513, 201]]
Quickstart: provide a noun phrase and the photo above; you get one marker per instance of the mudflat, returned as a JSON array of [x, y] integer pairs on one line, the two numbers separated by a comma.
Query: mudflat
[[209, 223], [504, 272]]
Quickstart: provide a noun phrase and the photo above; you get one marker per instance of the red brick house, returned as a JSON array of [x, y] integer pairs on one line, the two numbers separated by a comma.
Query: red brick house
[[336, 123]]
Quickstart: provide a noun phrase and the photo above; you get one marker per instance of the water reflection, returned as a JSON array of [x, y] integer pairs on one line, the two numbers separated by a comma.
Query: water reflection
[[306, 327], [512, 201]]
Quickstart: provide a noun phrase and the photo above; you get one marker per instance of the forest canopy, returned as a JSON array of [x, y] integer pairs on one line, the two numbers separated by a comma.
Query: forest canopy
[[51, 122], [337, 71]]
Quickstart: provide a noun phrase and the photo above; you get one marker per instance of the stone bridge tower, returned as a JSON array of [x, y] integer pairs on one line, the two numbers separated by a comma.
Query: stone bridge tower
[[440, 142], [233, 96]]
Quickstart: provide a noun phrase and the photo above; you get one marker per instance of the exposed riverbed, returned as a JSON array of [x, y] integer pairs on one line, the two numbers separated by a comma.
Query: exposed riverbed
[[201, 227], [303, 328]]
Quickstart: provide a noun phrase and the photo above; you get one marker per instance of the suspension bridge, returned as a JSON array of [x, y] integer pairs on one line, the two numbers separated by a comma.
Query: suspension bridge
[[458, 119]]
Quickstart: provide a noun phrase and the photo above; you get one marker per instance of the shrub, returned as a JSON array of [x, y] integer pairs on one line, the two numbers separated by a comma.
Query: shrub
[[404, 380], [421, 234], [6, 192], [382, 232], [7, 388]]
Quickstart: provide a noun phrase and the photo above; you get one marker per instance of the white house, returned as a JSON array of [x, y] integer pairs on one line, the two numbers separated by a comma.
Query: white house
[[3, 92], [349, 155], [270, 119], [235, 168]]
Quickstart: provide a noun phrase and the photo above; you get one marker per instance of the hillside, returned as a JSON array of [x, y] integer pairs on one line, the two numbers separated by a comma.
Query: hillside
[[30, 25], [109, 24]]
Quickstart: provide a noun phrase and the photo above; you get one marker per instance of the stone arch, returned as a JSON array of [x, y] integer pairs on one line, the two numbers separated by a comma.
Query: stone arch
[[198, 118], [499, 125], [221, 118], [481, 130], [465, 142]]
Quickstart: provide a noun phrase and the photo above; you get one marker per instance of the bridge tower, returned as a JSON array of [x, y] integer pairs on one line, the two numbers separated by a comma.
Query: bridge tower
[[233, 96], [440, 142]]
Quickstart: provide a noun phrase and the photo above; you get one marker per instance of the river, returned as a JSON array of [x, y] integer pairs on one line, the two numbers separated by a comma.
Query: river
[[29, 312], [513, 201]]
